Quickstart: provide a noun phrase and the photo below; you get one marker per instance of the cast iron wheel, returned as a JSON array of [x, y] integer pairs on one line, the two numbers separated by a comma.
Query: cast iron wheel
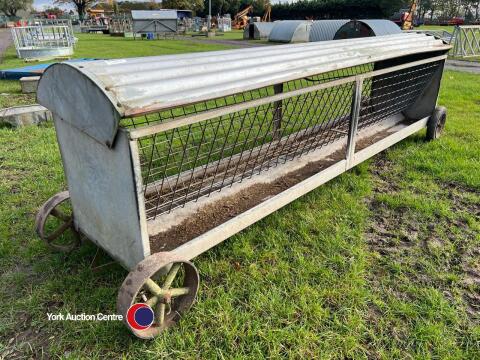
[[54, 224], [165, 283], [436, 123]]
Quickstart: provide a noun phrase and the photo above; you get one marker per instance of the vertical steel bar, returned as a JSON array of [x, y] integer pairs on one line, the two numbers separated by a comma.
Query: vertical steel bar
[[277, 112], [352, 131]]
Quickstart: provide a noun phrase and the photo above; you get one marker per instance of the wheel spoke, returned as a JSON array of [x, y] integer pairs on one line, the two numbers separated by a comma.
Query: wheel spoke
[[59, 231], [60, 215], [153, 287], [152, 301], [157, 291], [161, 313], [171, 276], [179, 291]]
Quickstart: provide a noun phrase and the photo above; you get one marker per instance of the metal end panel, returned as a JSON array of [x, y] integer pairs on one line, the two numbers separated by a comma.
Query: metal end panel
[[290, 31], [325, 30], [93, 96], [103, 194], [70, 93]]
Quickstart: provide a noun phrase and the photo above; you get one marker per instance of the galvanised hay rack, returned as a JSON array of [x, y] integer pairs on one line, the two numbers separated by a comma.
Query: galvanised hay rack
[[166, 157]]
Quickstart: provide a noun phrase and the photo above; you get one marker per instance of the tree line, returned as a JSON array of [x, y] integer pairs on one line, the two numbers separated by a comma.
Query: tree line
[[430, 9], [301, 9]]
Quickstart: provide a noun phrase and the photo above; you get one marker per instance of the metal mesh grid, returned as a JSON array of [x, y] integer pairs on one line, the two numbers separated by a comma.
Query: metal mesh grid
[[392, 93], [184, 164]]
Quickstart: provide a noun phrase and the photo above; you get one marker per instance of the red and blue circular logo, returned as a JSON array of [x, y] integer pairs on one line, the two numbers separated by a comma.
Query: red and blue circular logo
[[140, 316]]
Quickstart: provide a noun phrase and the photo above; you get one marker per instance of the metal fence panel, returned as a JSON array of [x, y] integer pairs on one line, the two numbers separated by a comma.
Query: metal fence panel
[[466, 41], [43, 41]]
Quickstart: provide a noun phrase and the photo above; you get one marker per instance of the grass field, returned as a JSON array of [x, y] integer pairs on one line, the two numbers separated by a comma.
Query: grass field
[[382, 262], [437, 27]]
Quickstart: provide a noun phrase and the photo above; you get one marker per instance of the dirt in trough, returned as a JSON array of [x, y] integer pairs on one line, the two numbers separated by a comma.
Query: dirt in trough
[[217, 213], [213, 215]]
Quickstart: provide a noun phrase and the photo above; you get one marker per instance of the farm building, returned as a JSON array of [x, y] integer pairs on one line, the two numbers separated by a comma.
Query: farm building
[[366, 28], [290, 31], [157, 22], [258, 30], [324, 30]]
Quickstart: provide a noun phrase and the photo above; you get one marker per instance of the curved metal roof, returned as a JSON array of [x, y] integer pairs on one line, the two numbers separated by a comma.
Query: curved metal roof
[[324, 30], [382, 27], [95, 95], [287, 31], [261, 30], [154, 14]]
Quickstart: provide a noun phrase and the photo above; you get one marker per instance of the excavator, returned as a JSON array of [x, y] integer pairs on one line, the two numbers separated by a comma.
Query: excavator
[[240, 20], [268, 12], [406, 20]]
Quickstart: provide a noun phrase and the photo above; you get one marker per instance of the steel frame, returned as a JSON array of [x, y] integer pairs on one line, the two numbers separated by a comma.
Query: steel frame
[[352, 158], [310, 113], [161, 170]]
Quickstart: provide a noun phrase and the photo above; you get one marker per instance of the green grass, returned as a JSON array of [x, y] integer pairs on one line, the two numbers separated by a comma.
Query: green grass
[[230, 35], [381, 262], [437, 27], [11, 94]]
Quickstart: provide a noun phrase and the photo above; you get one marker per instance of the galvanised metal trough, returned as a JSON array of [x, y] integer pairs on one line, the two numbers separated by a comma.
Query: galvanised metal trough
[[166, 157]]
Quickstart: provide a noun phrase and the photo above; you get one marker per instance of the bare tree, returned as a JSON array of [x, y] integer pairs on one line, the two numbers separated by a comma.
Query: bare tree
[[80, 5], [11, 7]]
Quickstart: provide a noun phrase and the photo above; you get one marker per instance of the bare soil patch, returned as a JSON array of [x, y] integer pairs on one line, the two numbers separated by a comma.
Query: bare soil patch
[[400, 235]]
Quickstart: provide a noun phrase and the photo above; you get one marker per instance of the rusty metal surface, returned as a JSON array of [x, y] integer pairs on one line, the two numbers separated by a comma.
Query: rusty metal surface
[[97, 94], [145, 271], [49, 208]]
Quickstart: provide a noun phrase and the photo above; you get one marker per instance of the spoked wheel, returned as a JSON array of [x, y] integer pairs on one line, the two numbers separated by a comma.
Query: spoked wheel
[[156, 294], [54, 224], [436, 123]]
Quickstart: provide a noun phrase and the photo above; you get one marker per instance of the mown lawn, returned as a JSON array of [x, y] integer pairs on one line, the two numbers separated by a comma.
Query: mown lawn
[[382, 262]]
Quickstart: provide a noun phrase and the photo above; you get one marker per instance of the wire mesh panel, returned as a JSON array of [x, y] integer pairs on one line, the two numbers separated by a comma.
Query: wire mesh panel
[[394, 92], [186, 162]]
